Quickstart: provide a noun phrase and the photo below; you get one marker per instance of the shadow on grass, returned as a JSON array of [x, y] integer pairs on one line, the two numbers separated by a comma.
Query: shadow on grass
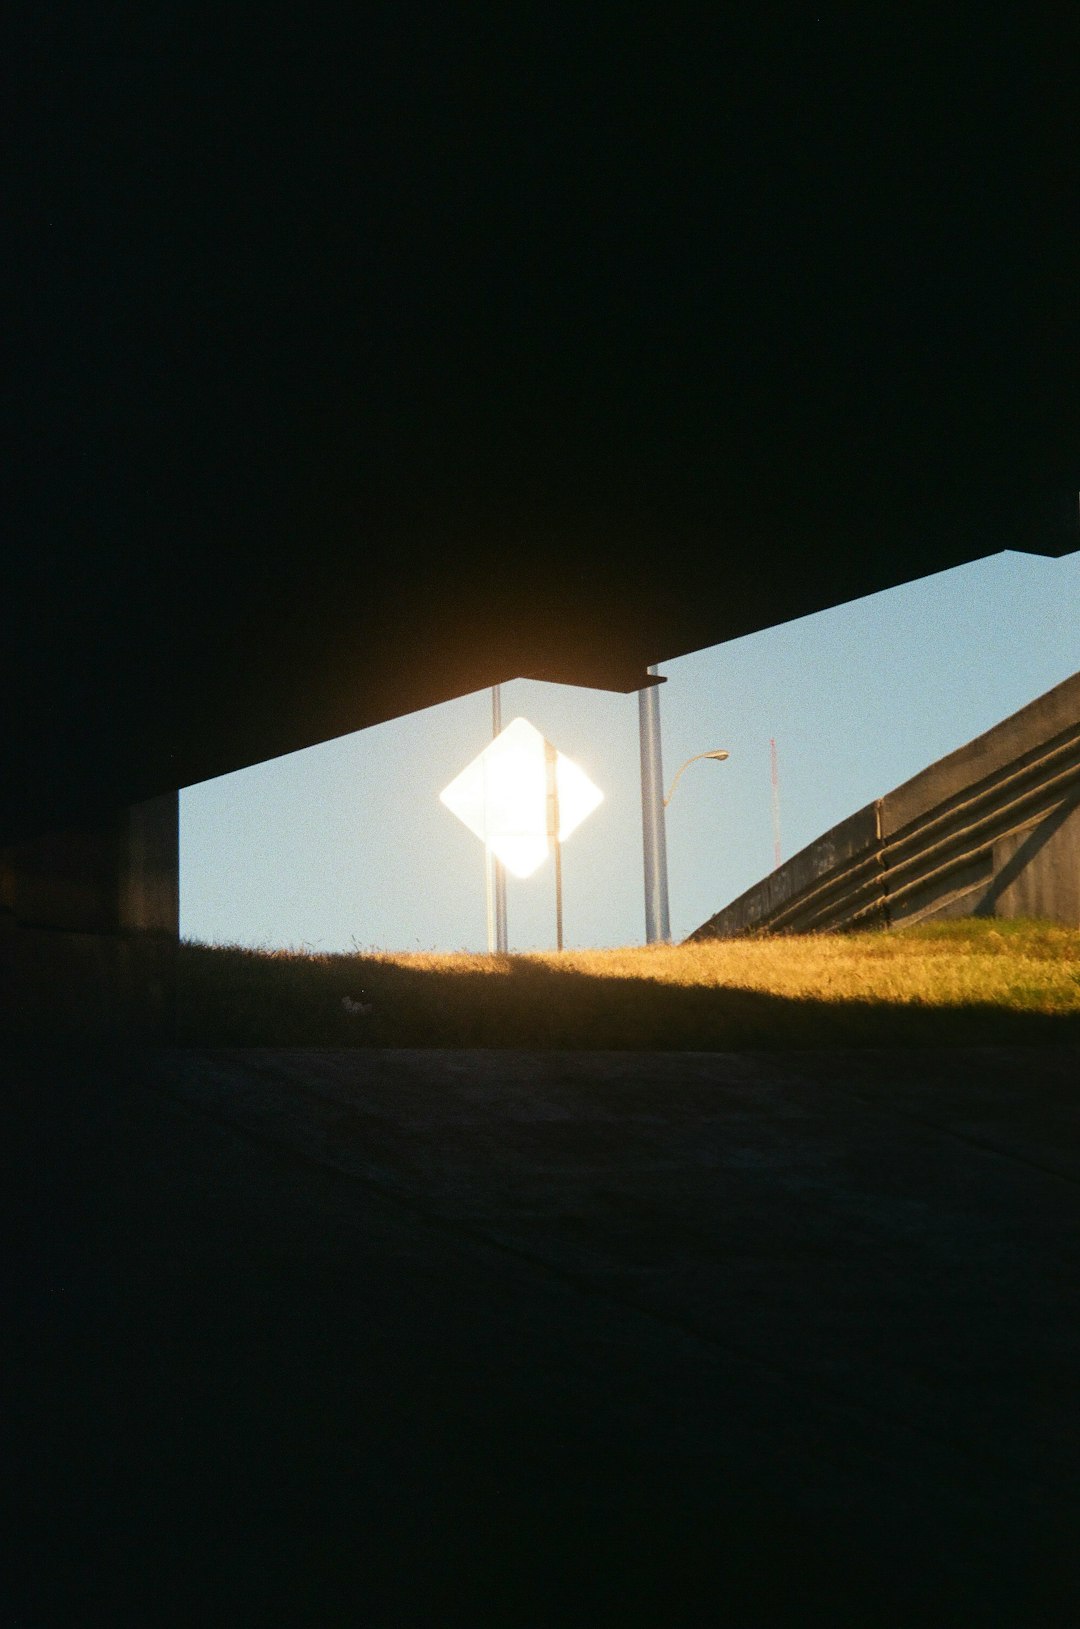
[[241, 998]]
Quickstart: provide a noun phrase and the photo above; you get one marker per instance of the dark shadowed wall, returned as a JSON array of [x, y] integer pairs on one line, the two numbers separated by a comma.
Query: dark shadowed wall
[[89, 923]]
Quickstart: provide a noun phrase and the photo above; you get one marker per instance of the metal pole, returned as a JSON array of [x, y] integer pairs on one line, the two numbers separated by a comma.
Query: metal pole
[[500, 870], [654, 840], [558, 890], [489, 898], [489, 885], [775, 804], [551, 762]]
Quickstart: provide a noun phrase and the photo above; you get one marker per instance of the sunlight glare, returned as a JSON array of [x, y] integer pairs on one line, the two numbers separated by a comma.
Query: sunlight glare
[[502, 797]]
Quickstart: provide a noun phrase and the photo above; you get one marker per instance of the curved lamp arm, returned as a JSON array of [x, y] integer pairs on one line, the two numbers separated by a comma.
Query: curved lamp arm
[[719, 756]]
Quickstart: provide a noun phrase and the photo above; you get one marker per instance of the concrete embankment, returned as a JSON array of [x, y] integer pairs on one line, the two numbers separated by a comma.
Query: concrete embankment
[[992, 829]]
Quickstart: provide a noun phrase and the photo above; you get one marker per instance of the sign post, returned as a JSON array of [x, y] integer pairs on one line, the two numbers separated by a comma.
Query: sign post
[[499, 868], [522, 798]]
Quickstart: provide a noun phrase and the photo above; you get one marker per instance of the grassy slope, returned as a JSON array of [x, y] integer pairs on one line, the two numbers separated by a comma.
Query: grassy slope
[[954, 983]]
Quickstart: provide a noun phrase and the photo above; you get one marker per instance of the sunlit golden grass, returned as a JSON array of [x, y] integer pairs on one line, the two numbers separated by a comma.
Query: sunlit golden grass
[[961, 983]]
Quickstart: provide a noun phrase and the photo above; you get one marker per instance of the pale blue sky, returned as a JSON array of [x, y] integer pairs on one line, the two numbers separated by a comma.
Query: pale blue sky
[[347, 846]]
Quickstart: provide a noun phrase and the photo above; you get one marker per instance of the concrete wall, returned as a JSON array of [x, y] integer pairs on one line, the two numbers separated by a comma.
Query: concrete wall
[[992, 829], [89, 924]]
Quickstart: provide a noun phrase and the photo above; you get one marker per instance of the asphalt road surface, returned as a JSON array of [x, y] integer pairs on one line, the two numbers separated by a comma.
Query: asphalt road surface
[[414, 1338]]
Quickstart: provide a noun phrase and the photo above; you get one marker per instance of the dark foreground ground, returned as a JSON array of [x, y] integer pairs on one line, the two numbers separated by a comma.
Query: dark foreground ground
[[559, 1339]]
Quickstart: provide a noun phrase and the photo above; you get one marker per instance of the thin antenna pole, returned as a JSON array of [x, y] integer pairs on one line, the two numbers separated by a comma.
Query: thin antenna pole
[[775, 803]]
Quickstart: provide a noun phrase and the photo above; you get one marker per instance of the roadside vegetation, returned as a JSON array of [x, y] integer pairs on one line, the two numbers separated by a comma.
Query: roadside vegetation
[[954, 983]]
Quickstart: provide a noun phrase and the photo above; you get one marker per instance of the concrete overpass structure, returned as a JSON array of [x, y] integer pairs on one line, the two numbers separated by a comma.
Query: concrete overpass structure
[[356, 373], [355, 367]]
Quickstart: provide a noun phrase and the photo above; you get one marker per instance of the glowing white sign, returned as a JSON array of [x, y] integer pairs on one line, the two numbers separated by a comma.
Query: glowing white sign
[[504, 796]]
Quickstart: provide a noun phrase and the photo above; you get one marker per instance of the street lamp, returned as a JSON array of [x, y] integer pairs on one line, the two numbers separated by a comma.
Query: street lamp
[[653, 805], [718, 756]]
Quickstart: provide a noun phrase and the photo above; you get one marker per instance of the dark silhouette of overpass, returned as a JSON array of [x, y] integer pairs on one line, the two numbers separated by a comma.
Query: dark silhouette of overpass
[[357, 369]]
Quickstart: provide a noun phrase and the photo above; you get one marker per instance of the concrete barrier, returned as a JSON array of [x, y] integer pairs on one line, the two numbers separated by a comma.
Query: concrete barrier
[[992, 829]]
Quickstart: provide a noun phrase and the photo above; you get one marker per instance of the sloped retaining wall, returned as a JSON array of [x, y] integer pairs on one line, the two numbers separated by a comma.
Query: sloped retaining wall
[[992, 829]]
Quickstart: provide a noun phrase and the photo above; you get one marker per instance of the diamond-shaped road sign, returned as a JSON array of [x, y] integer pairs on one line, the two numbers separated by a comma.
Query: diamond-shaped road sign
[[505, 797]]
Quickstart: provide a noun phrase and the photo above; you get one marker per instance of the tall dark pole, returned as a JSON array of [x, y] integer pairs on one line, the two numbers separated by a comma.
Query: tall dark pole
[[500, 870], [654, 841]]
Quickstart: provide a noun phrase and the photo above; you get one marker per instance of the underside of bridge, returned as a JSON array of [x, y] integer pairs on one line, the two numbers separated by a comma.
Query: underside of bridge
[[358, 368]]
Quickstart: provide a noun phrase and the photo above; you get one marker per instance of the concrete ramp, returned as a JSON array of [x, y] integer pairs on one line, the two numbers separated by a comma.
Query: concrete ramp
[[992, 829]]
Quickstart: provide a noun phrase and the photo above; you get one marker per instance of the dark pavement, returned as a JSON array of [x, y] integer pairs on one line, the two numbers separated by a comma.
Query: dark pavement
[[378, 1337]]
